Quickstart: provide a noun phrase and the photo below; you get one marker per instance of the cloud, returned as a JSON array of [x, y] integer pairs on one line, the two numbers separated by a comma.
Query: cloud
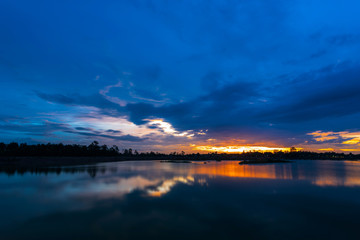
[[105, 91], [44, 129], [230, 108], [344, 39], [113, 131], [345, 137], [95, 100], [219, 105], [328, 92], [345, 141], [48, 129], [146, 95], [128, 137], [83, 129], [253, 110]]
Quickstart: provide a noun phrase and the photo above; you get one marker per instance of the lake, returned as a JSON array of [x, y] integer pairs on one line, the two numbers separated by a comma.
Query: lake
[[160, 200]]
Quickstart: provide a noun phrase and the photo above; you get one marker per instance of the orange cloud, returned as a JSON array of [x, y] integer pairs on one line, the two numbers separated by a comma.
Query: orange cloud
[[354, 137], [344, 137], [324, 136]]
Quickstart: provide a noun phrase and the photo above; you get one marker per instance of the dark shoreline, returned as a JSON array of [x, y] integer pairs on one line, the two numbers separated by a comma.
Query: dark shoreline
[[15, 155]]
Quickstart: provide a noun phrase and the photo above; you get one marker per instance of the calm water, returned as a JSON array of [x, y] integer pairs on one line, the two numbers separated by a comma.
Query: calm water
[[150, 199]]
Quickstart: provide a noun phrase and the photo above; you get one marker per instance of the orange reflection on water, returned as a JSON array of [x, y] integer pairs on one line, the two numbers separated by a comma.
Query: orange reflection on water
[[215, 169], [320, 173], [157, 184], [349, 176], [234, 169]]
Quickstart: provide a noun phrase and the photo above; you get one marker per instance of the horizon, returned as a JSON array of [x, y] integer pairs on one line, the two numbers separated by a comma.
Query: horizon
[[8, 149], [182, 76]]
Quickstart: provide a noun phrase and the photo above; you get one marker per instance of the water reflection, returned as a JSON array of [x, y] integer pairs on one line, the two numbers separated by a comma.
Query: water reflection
[[196, 196], [91, 170], [157, 179], [166, 185], [321, 173]]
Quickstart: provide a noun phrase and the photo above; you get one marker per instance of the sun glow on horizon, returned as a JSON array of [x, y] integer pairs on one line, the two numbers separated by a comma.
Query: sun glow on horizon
[[239, 149]]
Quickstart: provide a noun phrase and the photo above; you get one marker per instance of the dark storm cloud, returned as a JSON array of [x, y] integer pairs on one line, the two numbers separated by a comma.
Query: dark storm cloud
[[48, 129], [83, 129], [113, 131], [212, 109], [95, 134], [8, 118], [95, 100], [330, 91], [41, 129], [218, 105], [320, 94]]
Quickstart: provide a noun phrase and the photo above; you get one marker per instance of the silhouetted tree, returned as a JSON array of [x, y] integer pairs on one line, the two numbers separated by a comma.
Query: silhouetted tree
[[94, 149]]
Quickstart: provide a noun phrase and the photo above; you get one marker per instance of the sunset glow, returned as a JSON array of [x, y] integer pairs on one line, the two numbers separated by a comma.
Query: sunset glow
[[239, 149]]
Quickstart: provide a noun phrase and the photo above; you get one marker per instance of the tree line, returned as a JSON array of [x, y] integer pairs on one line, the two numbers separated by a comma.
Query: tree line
[[95, 149]]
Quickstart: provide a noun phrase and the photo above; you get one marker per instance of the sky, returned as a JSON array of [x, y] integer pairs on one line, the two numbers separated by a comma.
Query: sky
[[199, 75]]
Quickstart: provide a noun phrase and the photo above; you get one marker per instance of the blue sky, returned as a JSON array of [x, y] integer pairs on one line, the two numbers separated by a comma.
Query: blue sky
[[173, 75]]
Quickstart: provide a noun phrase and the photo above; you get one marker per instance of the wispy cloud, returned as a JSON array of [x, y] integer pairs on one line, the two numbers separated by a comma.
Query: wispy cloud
[[104, 92]]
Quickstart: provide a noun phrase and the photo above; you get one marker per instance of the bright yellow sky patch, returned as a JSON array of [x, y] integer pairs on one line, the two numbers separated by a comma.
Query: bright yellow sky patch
[[238, 149], [327, 149]]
